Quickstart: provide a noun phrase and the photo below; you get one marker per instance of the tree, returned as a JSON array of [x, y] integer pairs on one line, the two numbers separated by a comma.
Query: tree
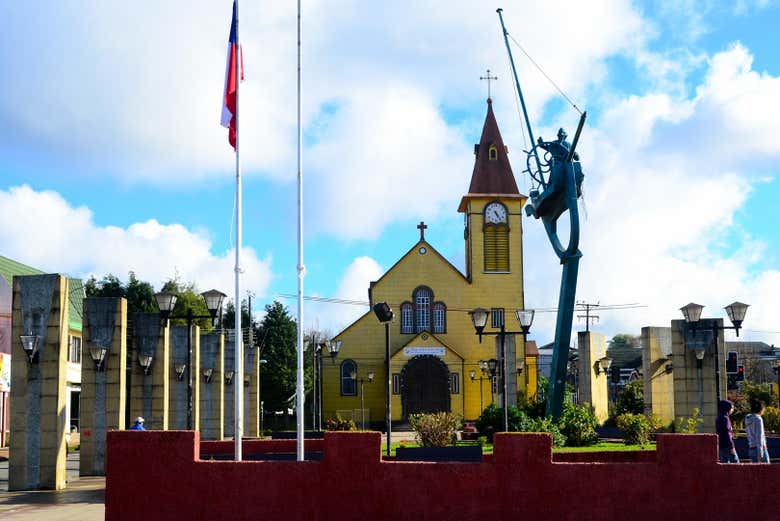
[[631, 399], [278, 332], [139, 294], [189, 298]]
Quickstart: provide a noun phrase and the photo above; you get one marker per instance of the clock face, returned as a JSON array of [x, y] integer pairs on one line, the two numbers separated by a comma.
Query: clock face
[[495, 213]]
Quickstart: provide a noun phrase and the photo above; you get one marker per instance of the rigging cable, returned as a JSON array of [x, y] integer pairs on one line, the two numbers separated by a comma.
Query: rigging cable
[[545, 74]]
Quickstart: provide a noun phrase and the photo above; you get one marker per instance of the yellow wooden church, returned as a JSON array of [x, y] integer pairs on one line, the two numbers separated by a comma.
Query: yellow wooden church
[[437, 362]]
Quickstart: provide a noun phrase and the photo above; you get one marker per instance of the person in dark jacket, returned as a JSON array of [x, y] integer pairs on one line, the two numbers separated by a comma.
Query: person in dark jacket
[[726, 450]]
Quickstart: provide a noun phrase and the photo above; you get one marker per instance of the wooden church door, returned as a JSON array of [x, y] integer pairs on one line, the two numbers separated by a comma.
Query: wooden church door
[[425, 384]]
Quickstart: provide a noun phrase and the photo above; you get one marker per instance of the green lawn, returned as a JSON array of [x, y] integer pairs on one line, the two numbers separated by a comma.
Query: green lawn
[[610, 446]]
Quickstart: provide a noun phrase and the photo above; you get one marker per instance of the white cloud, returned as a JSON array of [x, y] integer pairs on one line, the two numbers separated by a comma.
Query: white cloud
[[138, 87], [43, 230], [666, 176], [333, 317]]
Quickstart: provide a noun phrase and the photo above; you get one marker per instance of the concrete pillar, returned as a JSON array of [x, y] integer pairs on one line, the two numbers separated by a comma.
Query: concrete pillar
[[510, 348], [686, 374], [251, 392], [102, 391], [657, 367], [592, 347], [229, 364], [38, 427], [178, 388], [212, 392], [150, 393]]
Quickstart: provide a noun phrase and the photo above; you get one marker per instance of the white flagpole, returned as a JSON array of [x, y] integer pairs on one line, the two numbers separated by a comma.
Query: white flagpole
[[238, 379], [299, 413]]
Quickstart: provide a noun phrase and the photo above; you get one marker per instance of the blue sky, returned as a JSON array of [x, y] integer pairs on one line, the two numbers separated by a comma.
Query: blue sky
[[112, 157]]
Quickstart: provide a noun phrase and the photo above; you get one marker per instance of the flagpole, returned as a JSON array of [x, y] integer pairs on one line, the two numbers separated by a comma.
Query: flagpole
[[299, 413], [238, 380]]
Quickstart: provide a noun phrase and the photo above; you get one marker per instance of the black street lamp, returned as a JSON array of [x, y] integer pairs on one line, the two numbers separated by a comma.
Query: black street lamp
[[525, 318], [385, 315], [692, 314], [483, 368], [166, 301]]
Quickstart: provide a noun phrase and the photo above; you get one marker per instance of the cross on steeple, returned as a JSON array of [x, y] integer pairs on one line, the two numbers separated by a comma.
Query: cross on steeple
[[488, 77], [422, 227]]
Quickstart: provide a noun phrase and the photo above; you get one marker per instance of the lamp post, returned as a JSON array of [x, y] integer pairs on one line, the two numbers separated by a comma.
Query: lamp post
[[316, 357], [362, 381], [492, 368], [473, 375], [166, 301], [385, 315], [525, 318], [692, 314]]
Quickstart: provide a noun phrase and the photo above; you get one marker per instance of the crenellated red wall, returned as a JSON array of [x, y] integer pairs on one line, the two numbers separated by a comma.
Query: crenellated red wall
[[156, 475]]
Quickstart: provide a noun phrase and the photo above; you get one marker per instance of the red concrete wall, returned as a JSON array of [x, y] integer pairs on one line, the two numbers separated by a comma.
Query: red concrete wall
[[156, 475]]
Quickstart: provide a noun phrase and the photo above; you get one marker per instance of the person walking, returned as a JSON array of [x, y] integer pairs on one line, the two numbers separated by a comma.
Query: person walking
[[754, 427], [726, 451], [138, 425]]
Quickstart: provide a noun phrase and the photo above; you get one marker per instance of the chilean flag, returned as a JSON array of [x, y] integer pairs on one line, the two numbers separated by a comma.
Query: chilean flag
[[231, 85]]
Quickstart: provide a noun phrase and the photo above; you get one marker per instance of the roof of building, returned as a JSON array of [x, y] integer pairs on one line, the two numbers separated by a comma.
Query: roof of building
[[10, 268], [531, 349], [625, 356], [492, 176]]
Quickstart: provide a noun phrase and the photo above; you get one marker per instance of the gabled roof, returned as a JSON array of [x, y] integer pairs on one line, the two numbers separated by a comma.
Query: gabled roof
[[414, 248], [492, 176]]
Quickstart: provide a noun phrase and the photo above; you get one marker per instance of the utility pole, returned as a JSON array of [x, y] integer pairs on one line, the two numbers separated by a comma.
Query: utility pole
[[588, 316]]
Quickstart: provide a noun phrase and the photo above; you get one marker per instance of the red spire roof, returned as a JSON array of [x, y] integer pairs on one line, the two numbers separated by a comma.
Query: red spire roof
[[492, 172]]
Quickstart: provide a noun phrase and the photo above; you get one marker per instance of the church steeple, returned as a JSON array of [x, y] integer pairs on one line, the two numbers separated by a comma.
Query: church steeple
[[492, 172]]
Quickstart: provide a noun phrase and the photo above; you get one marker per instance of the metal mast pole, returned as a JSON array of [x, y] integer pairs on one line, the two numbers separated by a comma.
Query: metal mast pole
[[299, 401], [519, 92], [239, 358]]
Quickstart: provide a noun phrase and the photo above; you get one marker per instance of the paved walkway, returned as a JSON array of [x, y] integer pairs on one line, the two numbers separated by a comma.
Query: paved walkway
[[81, 501]]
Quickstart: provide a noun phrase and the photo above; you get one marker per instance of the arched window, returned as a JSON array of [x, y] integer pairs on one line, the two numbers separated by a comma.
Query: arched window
[[439, 317], [407, 317], [422, 308], [348, 381], [493, 153]]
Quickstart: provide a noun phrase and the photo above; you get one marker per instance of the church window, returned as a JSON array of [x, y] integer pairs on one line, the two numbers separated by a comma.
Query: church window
[[396, 383], [439, 317], [348, 378], [407, 317], [493, 153], [422, 308], [454, 383], [494, 384], [496, 246]]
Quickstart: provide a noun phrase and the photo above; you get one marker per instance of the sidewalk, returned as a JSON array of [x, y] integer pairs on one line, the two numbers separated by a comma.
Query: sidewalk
[[83, 500]]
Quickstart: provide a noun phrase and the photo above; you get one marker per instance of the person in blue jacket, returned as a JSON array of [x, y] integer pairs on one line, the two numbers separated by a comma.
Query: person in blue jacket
[[726, 450], [138, 425]]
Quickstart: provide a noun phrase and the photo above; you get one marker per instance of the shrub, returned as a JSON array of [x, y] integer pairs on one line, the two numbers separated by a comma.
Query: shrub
[[438, 429], [578, 424], [492, 420], [340, 424], [631, 399], [535, 407], [635, 427], [772, 419], [547, 425], [691, 424]]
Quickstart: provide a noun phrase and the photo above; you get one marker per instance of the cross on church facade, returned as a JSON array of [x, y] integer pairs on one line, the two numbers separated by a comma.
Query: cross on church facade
[[422, 227], [488, 77]]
